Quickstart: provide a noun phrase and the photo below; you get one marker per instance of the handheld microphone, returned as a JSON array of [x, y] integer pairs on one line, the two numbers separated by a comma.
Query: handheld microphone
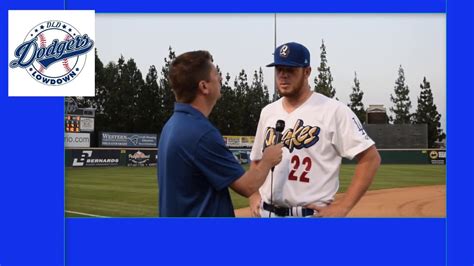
[[279, 126]]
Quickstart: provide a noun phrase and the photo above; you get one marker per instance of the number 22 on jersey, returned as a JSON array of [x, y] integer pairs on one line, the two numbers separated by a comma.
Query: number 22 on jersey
[[296, 163]]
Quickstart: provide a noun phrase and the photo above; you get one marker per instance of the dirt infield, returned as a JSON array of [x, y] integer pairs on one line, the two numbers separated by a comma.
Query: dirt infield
[[426, 201]]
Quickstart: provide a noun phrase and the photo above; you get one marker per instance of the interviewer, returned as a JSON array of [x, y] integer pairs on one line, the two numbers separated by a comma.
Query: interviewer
[[195, 168]]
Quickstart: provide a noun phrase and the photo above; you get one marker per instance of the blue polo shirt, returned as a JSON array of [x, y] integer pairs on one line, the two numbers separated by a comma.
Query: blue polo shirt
[[195, 168]]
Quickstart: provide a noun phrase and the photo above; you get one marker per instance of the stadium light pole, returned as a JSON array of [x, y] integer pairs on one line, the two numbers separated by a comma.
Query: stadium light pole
[[274, 47]]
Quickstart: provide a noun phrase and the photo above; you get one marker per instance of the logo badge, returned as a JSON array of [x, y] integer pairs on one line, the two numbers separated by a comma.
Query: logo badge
[[84, 156], [139, 158], [284, 51], [51, 53]]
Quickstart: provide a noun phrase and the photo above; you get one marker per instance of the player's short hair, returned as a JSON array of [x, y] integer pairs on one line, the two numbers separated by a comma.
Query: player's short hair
[[186, 71]]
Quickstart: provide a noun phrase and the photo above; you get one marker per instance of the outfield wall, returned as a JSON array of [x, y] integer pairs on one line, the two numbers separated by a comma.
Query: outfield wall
[[410, 156], [109, 157]]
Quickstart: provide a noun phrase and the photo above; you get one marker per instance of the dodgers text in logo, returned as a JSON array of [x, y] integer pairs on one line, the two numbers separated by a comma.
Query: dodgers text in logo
[[53, 53]]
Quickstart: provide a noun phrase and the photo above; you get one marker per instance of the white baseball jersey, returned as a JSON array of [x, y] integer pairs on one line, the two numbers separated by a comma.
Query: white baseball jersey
[[316, 136]]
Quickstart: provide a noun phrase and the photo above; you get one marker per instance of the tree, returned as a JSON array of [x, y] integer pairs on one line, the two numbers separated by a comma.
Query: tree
[[401, 100], [123, 81], [148, 100], [223, 115], [167, 98], [105, 97], [324, 79], [356, 96], [238, 111], [426, 113], [131, 83], [276, 95], [97, 101], [257, 98], [240, 108]]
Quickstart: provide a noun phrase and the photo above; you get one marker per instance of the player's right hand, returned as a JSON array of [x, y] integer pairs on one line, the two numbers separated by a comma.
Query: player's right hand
[[255, 201], [272, 154]]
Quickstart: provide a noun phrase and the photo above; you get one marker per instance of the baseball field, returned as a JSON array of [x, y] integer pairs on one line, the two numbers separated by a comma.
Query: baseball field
[[397, 191]]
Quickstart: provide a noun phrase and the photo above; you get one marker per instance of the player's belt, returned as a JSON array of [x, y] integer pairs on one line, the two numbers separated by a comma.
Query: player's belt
[[283, 211]]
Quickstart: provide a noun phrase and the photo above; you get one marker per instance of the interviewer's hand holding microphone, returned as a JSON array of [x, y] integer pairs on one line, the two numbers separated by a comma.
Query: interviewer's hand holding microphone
[[272, 154], [268, 160]]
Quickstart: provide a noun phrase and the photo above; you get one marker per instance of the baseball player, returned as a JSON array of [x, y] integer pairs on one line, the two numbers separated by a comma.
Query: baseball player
[[318, 132]]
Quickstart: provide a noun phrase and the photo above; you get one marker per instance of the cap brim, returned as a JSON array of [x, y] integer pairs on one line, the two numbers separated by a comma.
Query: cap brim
[[286, 64]]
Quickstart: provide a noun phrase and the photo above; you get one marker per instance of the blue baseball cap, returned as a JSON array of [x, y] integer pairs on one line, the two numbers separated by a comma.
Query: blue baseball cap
[[291, 54]]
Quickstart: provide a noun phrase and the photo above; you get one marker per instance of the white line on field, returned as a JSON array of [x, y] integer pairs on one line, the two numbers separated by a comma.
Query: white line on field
[[87, 214]]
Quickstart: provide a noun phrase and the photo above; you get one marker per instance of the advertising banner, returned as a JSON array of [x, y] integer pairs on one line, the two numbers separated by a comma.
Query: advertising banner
[[239, 141], [437, 156], [112, 139], [93, 158], [77, 140], [141, 157]]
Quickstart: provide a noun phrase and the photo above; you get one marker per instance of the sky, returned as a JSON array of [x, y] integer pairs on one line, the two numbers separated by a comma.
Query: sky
[[373, 45]]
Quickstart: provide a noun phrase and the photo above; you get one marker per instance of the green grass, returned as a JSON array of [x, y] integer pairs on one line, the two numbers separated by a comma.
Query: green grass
[[133, 191], [120, 191]]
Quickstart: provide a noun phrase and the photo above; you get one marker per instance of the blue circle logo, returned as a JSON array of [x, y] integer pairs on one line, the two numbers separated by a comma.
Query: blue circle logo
[[53, 53]]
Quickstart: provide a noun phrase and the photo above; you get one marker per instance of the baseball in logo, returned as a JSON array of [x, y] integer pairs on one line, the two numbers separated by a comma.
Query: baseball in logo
[[53, 53]]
